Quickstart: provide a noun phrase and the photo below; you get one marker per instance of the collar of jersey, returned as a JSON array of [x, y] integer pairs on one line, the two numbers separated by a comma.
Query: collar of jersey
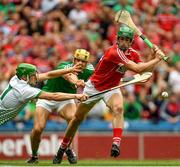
[[21, 80]]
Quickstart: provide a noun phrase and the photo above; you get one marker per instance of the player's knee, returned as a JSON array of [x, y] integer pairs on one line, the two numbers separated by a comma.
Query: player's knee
[[39, 129], [69, 117], [118, 110], [78, 118]]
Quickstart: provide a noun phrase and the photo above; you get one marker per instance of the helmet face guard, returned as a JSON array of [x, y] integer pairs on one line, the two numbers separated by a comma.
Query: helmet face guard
[[25, 69], [125, 32], [82, 54]]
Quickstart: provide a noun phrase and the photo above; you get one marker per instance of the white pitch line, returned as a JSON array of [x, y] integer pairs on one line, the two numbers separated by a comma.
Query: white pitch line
[[81, 166]]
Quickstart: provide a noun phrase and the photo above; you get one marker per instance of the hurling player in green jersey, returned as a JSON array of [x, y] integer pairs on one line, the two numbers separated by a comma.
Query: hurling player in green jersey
[[67, 83]]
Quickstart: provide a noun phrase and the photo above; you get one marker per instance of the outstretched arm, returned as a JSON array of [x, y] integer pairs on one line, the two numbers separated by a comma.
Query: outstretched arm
[[58, 73], [57, 96], [74, 79]]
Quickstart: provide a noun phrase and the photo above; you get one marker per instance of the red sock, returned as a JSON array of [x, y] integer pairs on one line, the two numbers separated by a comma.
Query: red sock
[[65, 143], [117, 134]]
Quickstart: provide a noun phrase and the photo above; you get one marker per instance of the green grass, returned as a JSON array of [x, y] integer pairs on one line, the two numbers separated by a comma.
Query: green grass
[[97, 163]]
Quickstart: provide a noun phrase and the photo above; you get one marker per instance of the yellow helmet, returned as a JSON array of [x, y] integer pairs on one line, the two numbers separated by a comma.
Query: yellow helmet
[[82, 54]]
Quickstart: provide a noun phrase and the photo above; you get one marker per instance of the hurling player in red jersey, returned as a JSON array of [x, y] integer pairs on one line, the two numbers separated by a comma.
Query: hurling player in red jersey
[[110, 69]]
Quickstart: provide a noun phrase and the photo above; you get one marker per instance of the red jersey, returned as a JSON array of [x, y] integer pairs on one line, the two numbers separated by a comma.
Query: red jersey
[[111, 69]]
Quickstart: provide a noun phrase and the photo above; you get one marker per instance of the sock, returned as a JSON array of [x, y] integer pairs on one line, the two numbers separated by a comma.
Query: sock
[[34, 153], [117, 134], [65, 143]]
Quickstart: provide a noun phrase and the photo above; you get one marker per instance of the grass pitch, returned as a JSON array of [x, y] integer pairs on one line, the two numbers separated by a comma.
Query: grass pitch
[[20, 163]]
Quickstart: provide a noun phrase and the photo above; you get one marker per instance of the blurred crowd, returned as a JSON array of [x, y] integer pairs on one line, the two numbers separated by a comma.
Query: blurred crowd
[[47, 32]]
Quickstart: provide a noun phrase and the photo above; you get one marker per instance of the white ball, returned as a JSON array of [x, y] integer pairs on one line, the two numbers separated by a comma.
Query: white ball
[[164, 94]]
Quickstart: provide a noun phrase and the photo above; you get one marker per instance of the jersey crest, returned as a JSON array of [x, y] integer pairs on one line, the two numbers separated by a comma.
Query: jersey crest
[[121, 69]]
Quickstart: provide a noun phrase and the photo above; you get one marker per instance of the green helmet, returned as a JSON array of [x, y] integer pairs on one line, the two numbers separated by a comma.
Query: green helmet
[[25, 69], [125, 31]]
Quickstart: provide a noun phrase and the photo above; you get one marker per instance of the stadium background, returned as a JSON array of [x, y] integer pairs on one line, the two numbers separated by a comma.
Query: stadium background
[[45, 33]]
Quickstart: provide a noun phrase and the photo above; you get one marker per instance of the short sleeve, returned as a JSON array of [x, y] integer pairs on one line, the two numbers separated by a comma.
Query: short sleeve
[[137, 57], [30, 93]]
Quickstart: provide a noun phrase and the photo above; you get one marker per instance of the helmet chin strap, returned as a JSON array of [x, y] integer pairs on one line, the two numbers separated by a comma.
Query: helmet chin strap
[[27, 78]]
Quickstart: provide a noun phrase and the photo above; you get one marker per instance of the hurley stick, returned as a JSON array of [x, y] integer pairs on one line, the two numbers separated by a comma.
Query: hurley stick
[[124, 17]]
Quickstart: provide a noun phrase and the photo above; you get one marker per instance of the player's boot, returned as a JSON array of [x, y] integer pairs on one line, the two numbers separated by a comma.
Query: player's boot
[[33, 160], [72, 158], [115, 151], [59, 156]]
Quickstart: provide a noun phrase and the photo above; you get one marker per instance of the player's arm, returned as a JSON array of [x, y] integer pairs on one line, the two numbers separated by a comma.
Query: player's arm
[[143, 67], [153, 55], [72, 78], [57, 96], [58, 73], [80, 82]]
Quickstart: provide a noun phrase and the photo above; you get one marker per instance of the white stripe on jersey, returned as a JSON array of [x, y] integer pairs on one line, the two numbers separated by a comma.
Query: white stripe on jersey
[[122, 56], [131, 49]]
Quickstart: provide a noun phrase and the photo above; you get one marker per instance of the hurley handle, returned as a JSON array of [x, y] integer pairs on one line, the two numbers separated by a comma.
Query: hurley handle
[[165, 58]]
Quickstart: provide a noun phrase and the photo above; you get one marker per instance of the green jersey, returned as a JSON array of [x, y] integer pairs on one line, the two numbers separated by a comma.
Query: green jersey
[[61, 85]]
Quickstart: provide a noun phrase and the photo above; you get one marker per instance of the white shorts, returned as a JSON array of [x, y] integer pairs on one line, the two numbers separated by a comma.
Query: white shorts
[[90, 90], [51, 104]]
